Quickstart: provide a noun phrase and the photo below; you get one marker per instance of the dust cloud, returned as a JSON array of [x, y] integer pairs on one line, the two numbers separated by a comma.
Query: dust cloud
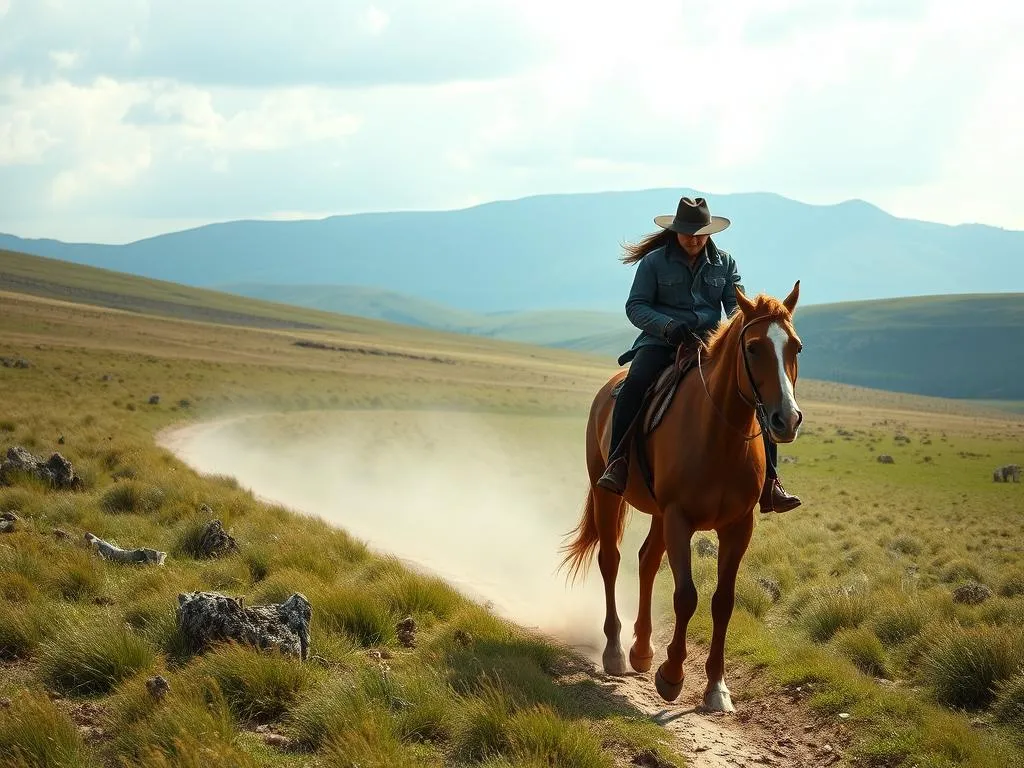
[[481, 500]]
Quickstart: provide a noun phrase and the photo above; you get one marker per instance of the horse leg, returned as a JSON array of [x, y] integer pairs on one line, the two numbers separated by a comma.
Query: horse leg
[[608, 511], [733, 542], [651, 553], [678, 533]]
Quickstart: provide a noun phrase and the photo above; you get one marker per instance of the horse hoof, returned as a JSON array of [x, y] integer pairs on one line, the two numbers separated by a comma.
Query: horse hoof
[[640, 662], [718, 699], [614, 663], [668, 691]]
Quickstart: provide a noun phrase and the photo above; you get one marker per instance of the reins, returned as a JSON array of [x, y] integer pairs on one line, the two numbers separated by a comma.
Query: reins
[[758, 405]]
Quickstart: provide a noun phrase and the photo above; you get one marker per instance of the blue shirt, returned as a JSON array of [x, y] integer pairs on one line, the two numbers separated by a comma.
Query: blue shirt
[[665, 288]]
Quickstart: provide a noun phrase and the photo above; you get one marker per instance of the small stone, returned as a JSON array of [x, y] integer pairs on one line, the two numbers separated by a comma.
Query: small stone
[[406, 630], [277, 740], [158, 687], [844, 715]]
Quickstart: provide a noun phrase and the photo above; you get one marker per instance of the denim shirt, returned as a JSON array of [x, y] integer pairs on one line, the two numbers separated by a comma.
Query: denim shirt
[[665, 289]]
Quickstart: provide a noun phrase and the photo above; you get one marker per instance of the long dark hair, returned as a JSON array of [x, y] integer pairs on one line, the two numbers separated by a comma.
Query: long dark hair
[[636, 251]]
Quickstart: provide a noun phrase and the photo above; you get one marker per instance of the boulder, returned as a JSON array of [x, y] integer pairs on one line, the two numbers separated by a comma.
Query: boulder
[[57, 471], [207, 618]]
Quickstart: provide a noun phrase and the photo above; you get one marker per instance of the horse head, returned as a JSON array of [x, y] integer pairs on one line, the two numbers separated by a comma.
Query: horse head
[[767, 361]]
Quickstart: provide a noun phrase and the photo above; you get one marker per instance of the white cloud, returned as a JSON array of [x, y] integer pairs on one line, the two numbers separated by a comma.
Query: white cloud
[[915, 107], [375, 20]]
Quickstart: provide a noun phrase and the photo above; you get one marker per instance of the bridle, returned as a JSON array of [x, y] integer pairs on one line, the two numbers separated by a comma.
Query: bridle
[[758, 404]]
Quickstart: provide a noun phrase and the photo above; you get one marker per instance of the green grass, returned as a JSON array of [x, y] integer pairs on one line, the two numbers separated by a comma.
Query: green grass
[[860, 604], [868, 568], [94, 631]]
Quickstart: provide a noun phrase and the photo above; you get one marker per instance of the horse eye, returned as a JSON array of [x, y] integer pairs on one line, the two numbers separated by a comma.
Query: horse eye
[[751, 348]]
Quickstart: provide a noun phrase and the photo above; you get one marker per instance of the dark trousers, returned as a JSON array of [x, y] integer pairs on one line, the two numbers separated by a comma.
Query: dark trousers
[[649, 362]]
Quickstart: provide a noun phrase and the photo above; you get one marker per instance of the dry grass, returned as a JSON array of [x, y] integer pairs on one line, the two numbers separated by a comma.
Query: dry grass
[[93, 631]]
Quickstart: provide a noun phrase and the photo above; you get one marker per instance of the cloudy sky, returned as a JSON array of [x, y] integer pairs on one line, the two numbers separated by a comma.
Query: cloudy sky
[[124, 118]]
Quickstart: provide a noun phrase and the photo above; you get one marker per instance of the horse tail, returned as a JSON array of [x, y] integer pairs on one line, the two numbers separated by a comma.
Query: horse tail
[[579, 550]]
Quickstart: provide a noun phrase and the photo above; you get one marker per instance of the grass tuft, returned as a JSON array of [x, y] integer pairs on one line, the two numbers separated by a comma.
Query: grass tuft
[[864, 649], [258, 686], [1009, 701], [962, 666], [92, 656], [33, 732], [831, 610]]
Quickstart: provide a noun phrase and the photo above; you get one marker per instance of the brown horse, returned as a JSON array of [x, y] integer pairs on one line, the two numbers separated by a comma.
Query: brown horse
[[708, 464]]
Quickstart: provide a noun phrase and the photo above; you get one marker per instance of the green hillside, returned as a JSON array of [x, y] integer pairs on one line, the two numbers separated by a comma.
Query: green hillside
[[66, 281], [965, 346]]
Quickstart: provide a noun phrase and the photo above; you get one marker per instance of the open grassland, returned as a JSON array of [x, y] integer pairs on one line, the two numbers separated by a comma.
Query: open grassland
[[849, 601], [80, 636], [896, 593]]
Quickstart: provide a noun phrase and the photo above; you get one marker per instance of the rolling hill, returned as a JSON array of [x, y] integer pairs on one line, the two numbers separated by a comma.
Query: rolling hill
[[958, 346], [910, 344], [561, 251]]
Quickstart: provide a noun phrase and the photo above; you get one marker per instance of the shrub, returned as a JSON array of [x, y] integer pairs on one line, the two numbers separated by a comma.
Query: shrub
[[907, 545]]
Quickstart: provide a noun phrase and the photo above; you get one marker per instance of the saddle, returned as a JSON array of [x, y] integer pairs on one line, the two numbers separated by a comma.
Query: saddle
[[654, 405]]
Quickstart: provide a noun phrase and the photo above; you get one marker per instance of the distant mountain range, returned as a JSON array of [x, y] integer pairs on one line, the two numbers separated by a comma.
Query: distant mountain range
[[560, 252]]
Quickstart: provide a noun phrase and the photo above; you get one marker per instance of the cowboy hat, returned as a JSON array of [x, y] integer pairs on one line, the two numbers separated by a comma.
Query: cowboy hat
[[692, 218]]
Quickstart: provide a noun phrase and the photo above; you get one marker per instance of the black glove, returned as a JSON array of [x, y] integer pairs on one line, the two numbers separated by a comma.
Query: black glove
[[677, 333]]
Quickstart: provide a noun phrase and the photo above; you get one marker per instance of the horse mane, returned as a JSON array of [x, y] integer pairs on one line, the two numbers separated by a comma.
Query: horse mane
[[764, 306]]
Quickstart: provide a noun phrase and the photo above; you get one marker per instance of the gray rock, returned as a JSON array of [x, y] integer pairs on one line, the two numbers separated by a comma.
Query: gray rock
[[158, 687], [57, 471], [206, 618], [971, 593], [705, 547], [771, 587], [215, 541]]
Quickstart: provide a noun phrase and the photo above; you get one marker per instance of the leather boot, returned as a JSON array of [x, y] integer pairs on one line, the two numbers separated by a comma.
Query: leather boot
[[614, 477], [775, 499]]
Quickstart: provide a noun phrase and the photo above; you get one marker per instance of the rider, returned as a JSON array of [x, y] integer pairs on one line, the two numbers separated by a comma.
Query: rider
[[683, 282]]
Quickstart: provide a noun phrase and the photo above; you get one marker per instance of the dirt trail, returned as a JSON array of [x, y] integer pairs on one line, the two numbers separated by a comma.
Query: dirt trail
[[491, 483], [766, 729]]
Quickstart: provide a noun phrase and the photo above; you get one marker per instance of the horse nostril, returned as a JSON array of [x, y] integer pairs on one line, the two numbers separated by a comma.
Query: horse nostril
[[799, 418], [777, 423]]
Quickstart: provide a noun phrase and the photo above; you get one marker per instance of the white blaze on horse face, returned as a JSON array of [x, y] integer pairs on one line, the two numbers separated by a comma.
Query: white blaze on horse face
[[787, 407]]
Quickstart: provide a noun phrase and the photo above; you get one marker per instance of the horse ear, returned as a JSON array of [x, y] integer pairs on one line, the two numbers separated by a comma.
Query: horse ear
[[746, 305], [790, 301]]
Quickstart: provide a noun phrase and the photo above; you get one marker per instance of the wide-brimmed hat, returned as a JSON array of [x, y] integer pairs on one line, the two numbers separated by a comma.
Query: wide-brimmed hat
[[692, 218]]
